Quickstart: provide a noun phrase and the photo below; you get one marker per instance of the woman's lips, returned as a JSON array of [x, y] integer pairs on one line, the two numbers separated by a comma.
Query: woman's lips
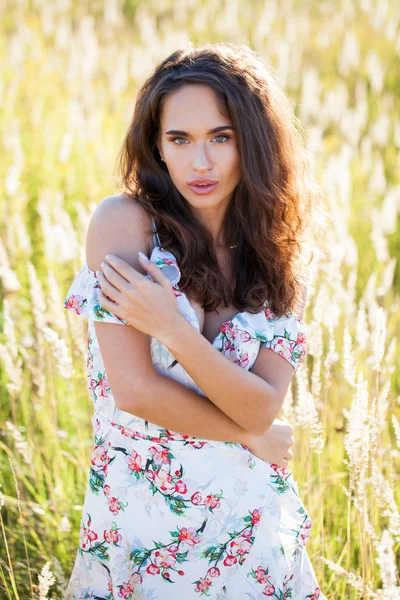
[[203, 189]]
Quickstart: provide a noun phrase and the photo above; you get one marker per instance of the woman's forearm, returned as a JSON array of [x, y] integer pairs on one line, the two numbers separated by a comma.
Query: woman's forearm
[[246, 398], [171, 405]]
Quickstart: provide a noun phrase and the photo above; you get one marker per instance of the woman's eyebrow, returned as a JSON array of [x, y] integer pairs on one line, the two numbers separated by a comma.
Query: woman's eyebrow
[[215, 130]]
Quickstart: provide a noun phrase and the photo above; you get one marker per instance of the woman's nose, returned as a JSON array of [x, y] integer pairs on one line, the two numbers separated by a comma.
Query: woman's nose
[[201, 160]]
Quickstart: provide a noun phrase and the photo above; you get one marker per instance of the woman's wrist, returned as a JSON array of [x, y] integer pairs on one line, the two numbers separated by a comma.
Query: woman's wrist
[[246, 438]]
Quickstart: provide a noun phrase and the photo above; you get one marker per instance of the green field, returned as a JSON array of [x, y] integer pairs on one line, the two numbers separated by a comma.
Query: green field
[[69, 72]]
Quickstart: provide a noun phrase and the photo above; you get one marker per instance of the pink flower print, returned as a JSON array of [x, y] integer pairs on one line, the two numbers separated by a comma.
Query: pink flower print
[[125, 590], [231, 353], [168, 261], [229, 561], [164, 558], [196, 499], [126, 431], [83, 538], [203, 585], [134, 579], [86, 536], [243, 360], [152, 569], [181, 487], [188, 536], [196, 444], [106, 489], [160, 455], [150, 475], [234, 331], [112, 536], [102, 388], [317, 593], [225, 327], [213, 572], [308, 523], [163, 480], [240, 546], [245, 336], [283, 350], [269, 590], [228, 347], [99, 456], [269, 314], [301, 338], [287, 582], [134, 461], [74, 302], [92, 535], [175, 436], [212, 502], [247, 533], [114, 506], [282, 471], [256, 516], [261, 575]]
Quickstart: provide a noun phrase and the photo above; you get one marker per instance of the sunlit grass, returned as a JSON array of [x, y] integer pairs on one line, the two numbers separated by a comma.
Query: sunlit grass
[[69, 74]]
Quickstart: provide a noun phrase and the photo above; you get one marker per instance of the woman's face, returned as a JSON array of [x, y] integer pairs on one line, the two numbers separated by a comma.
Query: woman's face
[[191, 151]]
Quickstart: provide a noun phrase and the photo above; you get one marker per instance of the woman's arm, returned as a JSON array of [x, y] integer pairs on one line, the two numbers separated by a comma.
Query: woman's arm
[[162, 400], [251, 399]]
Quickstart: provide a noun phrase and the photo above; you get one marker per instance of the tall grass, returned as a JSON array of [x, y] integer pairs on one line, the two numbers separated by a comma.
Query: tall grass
[[68, 78]]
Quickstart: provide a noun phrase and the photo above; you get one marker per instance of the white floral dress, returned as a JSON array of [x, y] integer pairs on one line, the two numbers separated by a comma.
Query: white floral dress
[[168, 516]]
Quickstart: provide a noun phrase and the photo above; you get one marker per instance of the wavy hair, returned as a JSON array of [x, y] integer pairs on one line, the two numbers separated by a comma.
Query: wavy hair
[[272, 208]]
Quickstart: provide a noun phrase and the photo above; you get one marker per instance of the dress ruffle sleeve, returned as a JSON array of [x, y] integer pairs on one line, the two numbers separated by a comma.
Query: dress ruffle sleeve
[[289, 338], [82, 298]]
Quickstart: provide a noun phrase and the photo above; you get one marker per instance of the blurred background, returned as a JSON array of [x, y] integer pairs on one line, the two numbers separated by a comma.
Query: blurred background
[[69, 73]]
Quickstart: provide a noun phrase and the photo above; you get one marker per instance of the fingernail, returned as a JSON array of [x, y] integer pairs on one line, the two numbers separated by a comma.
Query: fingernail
[[143, 256]]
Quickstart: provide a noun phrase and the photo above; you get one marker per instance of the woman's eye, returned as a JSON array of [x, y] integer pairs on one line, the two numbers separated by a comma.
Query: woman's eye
[[184, 139], [222, 136]]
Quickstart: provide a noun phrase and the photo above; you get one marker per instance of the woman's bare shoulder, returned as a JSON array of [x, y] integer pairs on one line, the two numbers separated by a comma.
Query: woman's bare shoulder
[[119, 225]]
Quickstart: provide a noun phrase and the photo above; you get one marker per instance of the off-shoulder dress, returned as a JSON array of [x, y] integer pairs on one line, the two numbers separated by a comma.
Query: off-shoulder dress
[[167, 516]]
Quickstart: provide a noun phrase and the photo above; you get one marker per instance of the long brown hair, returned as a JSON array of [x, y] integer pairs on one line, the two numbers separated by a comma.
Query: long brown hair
[[270, 215]]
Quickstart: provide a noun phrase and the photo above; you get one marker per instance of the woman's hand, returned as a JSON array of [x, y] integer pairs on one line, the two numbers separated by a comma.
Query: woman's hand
[[149, 306], [273, 446]]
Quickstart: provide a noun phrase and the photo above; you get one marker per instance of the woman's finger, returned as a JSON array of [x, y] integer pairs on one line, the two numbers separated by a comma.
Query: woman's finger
[[124, 270], [107, 288], [109, 305], [156, 273]]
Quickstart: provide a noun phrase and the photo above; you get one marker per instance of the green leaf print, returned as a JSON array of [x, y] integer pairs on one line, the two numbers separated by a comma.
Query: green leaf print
[[165, 576], [96, 481]]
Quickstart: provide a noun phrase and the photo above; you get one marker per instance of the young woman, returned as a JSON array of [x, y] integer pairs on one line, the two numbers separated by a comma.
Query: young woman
[[189, 490]]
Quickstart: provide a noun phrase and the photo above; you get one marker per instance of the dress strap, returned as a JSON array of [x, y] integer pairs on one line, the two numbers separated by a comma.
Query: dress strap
[[156, 237]]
